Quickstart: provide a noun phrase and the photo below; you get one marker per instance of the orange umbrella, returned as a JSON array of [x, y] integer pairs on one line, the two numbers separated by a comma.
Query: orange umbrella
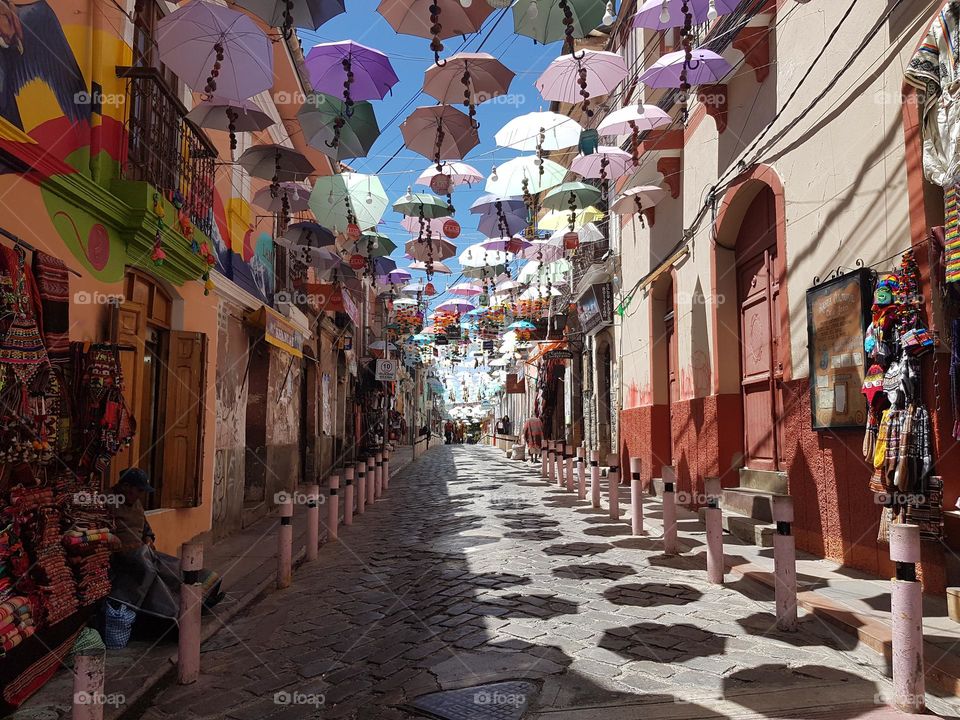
[[435, 19], [439, 132], [468, 78]]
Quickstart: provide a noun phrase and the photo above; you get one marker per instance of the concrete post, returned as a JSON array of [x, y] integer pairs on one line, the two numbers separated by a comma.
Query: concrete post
[[313, 522], [333, 508], [361, 483], [581, 473], [348, 496], [669, 510], [714, 522], [636, 497], [543, 458], [595, 478], [613, 480], [785, 564], [551, 465], [285, 546], [386, 469], [191, 603], [559, 460], [569, 470], [378, 475], [88, 678], [906, 610], [371, 480]]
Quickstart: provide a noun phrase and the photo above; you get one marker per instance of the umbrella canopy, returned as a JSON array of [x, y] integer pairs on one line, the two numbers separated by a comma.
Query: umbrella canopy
[[372, 244], [545, 251], [275, 162], [436, 19], [561, 80], [637, 199], [665, 14], [337, 200], [308, 233], [350, 70], [607, 161], [477, 256], [492, 225], [331, 128], [587, 233], [430, 248], [321, 259], [640, 117], [394, 277], [543, 20], [229, 116], [414, 287], [431, 268], [487, 204], [297, 196], [431, 228], [381, 346], [439, 132], [417, 204], [538, 292], [578, 194], [507, 285], [216, 50], [468, 78], [302, 13], [556, 219], [509, 177], [546, 130], [482, 271], [456, 306], [459, 173], [706, 68], [384, 265], [511, 245], [465, 289], [535, 273], [521, 325]]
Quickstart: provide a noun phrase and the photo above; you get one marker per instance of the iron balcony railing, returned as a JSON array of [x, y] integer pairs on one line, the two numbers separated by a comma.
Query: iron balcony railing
[[165, 149]]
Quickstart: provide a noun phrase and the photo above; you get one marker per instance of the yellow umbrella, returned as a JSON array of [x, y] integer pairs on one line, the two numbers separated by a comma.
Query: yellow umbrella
[[556, 219]]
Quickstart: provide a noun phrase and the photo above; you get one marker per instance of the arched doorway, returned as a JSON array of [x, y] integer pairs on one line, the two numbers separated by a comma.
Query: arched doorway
[[665, 385]]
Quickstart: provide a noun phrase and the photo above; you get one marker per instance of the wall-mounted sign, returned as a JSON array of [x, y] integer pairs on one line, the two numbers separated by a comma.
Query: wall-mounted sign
[[488, 345], [837, 319], [558, 355], [595, 308], [278, 331], [516, 384], [386, 370]]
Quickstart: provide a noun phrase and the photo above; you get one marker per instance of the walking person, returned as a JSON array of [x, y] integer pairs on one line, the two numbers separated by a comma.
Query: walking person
[[532, 433]]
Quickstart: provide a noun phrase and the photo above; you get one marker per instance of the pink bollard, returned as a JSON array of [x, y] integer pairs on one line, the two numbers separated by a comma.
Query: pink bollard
[[378, 475], [333, 508], [581, 473], [636, 497], [313, 522], [543, 459], [191, 603], [558, 458], [551, 465], [386, 469], [613, 481], [371, 480], [595, 478], [669, 510], [361, 482], [88, 678], [348, 496], [569, 468], [906, 611], [785, 564], [713, 516], [285, 546]]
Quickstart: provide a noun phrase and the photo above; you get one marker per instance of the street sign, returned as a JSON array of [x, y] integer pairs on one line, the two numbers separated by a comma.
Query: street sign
[[386, 370]]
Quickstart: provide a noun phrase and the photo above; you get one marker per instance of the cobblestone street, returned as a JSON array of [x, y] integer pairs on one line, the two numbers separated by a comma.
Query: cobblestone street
[[473, 570]]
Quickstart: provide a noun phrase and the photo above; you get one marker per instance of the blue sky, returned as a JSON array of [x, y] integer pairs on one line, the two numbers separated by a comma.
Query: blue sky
[[411, 56]]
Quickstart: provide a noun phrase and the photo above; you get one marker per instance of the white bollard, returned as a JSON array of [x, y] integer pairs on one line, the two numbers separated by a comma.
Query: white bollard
[[595, 478], [669, 510], [581, 473], [613, 488], [636, 497]]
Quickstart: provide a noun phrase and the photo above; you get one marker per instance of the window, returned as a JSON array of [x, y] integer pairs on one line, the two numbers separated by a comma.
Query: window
[[164, 384]]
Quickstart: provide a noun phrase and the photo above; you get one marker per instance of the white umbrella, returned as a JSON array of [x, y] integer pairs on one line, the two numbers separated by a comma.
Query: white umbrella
[[465, 289], [523, 132], [643, 117], [638, 198], [477, 256], [535, 273], [437, 267], [459, 173], [538, 293], [508, 178], [382, 346]]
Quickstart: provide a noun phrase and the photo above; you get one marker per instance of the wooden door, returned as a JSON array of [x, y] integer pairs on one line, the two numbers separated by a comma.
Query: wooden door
[[673, 387], [183, 420], [128, 328]]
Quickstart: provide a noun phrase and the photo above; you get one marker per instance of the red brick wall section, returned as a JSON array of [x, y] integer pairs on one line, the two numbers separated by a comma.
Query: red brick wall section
[[645, 433]]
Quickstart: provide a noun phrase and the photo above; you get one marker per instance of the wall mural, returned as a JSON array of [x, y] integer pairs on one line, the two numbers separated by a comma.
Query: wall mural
[[244, 254]]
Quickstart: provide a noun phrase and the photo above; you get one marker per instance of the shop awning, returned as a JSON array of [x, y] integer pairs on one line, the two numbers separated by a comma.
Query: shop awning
[[545, 348], [277, 330]]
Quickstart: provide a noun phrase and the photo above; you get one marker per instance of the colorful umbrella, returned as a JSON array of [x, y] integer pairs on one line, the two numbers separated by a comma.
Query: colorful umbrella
[[308, 233], [439, 132], [493, 225], [578, 77], [290, 197], [430, 249], [285, 14], [459, 173], [216, 50], [633, 120], [329, 127], [638, 199], [572, 196], [434, 19], [276, 163], [547, 21], [383, 266], [373, 244], [666, 14], [230, 116], [348, 198], [607, 161], [351, 71], [468, 78], [539, 131], [465, 290], [488, 204], [431, 267], [521, 325], [705, 68], [431, 228], [509, 178], [421, 205], [511, 245], [455, 306], [556, 219]]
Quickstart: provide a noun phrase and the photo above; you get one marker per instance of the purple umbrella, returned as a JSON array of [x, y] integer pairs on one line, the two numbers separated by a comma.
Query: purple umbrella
[[455, 306], [510, 245], [216, 50], [605, 162], [384, 265], [394, 277], [665, 14], [350, 70], [562, 81], [493, 226], [487, 204], [706, 68]]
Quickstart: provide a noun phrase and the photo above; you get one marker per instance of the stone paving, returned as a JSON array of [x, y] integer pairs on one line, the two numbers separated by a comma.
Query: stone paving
[[473, 570]]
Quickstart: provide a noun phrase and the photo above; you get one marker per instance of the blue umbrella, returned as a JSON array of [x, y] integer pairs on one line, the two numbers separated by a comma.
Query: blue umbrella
[[487, 204], [521, 325], [509, 225], [383, 265]]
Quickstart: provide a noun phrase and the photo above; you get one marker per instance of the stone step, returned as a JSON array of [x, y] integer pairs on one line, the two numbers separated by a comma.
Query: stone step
[[769, 481], [750, 530], [756, 504]]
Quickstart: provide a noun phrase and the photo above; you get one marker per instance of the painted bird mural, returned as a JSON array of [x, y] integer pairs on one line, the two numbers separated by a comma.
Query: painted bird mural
[[33, 47]]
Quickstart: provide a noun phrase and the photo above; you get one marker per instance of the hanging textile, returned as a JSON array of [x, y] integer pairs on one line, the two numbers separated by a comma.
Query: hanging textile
[[104, 421], [53, 287]]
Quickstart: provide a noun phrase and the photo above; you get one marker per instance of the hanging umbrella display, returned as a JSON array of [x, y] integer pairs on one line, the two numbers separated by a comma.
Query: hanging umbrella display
[[414, 288], [439, 132], [345, 199], [421, 205], [351, 71], [547, 21], [374, 244], [477, 256], [394, 277], [457, 173], [431, 228], [487, 204], [288, 198], [320, 259], [277, 163], [307, 233], [535, 273], [633, 120], [556, 219], [504, 225], [215, 50], [666, 71], [525, 176], [602, 164], [580, 76], [457, 306], [465, 290], [543, 250], [482, 271], [539, 130], [587, 233], [431, 268], [430, 248], [510, 245], [638, 199], [666, 14], [434, 19], [508, 285], [468, 78], [572, 196], [230, 116], [335, 130], [383, 266], [287, 14], [521, 325]]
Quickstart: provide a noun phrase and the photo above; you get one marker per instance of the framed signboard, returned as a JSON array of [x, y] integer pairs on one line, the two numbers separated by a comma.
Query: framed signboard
[[838, 314]]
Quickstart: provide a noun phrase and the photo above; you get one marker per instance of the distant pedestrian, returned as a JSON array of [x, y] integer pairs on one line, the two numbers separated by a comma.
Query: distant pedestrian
[[448, 432], [533, 435]]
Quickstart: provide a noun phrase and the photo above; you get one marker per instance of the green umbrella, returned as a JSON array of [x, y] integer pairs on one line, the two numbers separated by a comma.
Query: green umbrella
[[542, 20], [338, 200], [374, 244], [579, 194], [412, 204], [319, 117], [490, 271]]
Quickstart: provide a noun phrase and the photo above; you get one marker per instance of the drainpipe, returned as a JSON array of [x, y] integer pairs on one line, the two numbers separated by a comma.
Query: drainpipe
[[95, 134]]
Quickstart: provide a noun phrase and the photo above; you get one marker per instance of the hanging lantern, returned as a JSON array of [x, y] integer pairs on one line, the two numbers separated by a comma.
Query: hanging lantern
[[451, 228], [353, 232], [571, 241], [357, 261], [440, 183], [429, 289]]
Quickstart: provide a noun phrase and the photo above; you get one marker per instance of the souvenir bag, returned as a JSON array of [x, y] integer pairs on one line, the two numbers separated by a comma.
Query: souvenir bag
[[107, 426]]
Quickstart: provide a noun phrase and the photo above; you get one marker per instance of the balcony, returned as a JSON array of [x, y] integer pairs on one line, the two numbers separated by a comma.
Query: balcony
[[165, 149]]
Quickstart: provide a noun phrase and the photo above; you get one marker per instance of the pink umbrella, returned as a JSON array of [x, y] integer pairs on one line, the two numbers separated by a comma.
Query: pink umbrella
[[439, 132], [545, 251], [459, 173], [465, 290], [665, 14], [468, 78], [432, 267], [606, 161], [637, 199], [216, 50], [457, 307], [350, 70], [563, 79], [633, 117], [706, 68], [510, 245], [433, 228], [435, 19]]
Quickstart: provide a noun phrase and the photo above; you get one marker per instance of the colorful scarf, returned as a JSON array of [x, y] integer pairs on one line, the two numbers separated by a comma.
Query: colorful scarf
[[53, 286]]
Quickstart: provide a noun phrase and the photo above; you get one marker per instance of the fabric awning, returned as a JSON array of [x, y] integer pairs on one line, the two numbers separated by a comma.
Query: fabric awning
[[545, 348]]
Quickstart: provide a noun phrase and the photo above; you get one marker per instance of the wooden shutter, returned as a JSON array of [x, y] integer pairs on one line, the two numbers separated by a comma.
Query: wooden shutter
[[183, 420], [128, 327]]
